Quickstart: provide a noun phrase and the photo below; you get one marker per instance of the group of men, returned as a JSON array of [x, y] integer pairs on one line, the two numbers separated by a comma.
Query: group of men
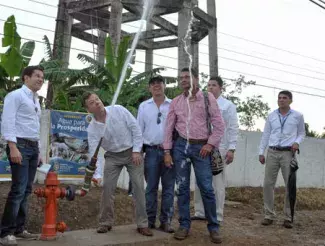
[[160, 145]]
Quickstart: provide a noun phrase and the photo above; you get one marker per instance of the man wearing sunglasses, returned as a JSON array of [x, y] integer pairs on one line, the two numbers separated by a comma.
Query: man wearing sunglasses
[[152, 115], [20, 127]]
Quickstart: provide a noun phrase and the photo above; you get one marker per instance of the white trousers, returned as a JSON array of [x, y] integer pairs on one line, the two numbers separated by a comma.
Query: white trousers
[[219, 186]]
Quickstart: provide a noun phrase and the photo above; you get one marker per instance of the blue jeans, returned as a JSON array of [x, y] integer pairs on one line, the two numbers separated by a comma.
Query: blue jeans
[[22, 177], [154, 170], [203, 174]]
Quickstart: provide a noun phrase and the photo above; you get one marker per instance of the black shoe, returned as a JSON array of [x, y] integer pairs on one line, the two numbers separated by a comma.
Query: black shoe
[[287, 224], [267, 222], [152, 226], [166, 228], [103, 229], [215, 237], [181, 233], [197, 218]]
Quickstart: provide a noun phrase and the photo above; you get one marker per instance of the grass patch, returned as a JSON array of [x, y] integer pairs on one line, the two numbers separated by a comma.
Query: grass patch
[[307, 198]]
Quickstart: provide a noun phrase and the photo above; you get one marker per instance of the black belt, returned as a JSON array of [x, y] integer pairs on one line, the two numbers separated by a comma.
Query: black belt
[[153, 146], [27, 142], [287, 148]]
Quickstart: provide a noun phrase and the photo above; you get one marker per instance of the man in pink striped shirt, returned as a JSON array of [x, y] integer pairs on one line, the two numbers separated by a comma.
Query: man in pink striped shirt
[[188, 119]]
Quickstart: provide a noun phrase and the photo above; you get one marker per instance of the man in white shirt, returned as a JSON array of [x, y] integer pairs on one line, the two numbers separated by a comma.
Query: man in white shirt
[[283, 133], [122, 141], [227, 149], [152, 115], [20, 127]]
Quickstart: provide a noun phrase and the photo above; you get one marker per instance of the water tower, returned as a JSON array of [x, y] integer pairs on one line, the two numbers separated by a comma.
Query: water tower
[[77, 18]]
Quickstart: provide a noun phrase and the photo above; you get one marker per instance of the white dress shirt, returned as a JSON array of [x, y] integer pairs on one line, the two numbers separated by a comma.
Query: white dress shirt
[[282, 131], [229, 115], [153, 133], [120, 132], [21, 115]]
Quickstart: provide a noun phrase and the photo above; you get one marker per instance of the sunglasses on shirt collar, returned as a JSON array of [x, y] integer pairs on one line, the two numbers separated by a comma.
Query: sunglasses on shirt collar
[[158, 118]]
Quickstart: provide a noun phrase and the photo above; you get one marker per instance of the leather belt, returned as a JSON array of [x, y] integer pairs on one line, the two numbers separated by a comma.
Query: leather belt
[[153, 146], [27, 142], [195, 141], [287, 148]]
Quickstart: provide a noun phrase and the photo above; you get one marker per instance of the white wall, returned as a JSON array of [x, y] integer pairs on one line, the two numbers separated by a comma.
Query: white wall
[[247, 171]]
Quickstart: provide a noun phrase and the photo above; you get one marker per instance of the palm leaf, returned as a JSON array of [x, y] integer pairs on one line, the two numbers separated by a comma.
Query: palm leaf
[[48, 49]]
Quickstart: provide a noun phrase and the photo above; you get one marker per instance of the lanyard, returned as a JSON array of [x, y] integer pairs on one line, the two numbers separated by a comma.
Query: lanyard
[[283, 120]]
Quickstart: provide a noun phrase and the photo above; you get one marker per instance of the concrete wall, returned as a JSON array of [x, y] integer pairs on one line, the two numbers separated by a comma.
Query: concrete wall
[[247, 171]]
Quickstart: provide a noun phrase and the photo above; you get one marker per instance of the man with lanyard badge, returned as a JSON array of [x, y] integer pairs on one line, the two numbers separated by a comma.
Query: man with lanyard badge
[[283, 132]]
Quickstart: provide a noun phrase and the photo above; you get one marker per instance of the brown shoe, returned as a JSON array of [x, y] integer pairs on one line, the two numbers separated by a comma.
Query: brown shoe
[[104, 229], [181, 233], [215, 237], [145, 231], [267, 222], [166, 228], [287, 224]]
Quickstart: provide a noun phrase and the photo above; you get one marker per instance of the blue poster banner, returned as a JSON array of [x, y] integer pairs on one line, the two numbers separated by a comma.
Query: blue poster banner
[[5, 172], [68, 143]]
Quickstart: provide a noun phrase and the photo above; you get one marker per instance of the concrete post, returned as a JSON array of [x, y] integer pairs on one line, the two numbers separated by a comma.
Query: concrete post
[[149, 52], [62, 42], [115, 22], [101, 47], [213, 43], [184, 17]]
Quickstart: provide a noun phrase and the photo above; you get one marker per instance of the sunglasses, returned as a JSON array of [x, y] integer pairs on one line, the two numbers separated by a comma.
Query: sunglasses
[[158, 118]]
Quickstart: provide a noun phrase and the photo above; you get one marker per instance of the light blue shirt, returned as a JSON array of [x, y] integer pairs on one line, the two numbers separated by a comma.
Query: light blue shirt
[[283, 131], [153, 133], [21, 115]]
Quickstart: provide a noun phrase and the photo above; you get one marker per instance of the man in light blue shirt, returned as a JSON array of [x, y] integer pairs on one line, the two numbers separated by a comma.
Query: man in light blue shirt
[[283, 133], [20, 127], [151, 118]]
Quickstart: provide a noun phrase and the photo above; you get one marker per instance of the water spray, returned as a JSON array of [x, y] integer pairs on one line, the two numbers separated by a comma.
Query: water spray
[[148, 6], [186, 48]]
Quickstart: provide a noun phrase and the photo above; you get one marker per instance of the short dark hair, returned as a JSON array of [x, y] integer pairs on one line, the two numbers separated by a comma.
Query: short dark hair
[[29, 70], [85, 96], [287, 93], [193, 71], [158, 78], [218, 79]]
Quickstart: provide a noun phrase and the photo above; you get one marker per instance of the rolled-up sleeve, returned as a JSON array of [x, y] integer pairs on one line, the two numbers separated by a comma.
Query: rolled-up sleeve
[[301, 133], [135, 129], [233, 127], [218, 125], [8, 124], [170, 125]]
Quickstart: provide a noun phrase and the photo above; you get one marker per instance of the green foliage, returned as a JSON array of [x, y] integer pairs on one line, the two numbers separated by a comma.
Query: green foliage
[[312, 133], [14, 59]]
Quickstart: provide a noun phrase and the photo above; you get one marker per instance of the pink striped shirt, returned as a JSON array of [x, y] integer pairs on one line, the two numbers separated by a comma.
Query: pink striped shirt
[[178, 117]]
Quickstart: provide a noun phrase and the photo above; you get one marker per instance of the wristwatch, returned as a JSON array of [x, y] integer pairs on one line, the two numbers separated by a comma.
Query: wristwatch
[[167, 151], [232, 150]]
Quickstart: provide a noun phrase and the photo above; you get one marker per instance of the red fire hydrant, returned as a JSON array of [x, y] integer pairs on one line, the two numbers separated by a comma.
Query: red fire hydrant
[[51, 192]]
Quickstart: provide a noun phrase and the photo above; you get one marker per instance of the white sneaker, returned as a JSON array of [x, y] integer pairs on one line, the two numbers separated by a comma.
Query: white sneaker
[[26, 235], [9, 240]]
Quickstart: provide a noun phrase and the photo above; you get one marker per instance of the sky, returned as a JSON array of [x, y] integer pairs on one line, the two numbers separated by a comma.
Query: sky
[[277, 43]]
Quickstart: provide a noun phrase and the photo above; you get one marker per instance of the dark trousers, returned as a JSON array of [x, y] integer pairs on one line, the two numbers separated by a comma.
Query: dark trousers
[[22, 176], [154, 171]]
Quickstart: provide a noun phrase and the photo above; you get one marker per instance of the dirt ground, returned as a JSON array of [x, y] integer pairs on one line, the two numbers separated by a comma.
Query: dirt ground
[[241, 226]]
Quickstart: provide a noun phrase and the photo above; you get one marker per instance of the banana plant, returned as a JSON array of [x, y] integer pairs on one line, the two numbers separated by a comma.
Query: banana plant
[[106, 76], [62, 79], [15, 58]]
